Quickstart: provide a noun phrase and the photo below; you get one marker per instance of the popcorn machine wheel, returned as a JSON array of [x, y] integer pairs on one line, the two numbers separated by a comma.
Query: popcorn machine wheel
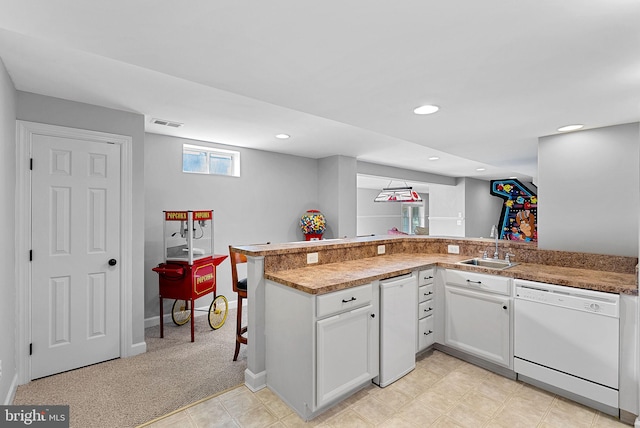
[[189, 272]]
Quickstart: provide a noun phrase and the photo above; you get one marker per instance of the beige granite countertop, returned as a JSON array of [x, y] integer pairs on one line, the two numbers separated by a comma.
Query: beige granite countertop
[[330, 277]]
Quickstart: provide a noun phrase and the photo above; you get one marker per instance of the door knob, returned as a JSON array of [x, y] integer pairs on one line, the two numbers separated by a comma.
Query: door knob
[[113, 262]]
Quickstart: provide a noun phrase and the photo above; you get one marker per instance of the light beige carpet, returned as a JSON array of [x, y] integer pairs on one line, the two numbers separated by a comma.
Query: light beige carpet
[[127, 392]]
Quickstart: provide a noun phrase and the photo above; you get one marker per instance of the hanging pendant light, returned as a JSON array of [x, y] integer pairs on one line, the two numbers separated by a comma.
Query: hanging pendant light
[[398, 194]]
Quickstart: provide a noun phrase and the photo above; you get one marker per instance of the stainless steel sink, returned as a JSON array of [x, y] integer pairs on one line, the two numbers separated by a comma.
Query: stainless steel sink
[[488, 263]]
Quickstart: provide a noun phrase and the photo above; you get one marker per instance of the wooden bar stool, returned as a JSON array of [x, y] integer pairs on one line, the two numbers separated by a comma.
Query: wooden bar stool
[[240, 287]]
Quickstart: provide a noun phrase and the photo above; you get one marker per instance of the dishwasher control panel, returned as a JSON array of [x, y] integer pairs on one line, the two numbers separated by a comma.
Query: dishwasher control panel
[[569, 297]]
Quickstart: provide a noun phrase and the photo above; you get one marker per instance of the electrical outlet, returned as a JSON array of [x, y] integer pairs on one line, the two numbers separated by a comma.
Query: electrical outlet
[[381, 249], [312, 258], [453, 249]]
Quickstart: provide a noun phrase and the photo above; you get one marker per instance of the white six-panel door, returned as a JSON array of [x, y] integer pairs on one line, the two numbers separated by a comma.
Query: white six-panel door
[[75, 290]]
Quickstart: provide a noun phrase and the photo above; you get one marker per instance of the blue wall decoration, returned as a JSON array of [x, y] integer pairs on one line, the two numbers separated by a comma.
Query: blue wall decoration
[[519, 217]]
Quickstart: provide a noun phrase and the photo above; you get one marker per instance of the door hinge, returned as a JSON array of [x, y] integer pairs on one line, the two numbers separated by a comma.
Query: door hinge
[[30, 255], [31, 164], [31, 349]]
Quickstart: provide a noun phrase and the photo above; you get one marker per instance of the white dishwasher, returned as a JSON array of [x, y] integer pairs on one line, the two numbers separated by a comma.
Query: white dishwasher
[[568, 338], [398, 327]]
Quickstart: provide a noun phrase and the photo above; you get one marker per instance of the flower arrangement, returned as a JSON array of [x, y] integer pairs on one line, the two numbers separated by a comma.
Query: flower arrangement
[[313, 222]]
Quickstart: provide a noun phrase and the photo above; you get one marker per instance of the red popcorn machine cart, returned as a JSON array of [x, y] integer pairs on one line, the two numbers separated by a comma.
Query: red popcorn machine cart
[[189, 271]]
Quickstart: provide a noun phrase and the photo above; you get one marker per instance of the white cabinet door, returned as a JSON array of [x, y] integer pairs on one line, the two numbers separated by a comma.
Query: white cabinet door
[[478, 323], [344, 353], [425, 333]]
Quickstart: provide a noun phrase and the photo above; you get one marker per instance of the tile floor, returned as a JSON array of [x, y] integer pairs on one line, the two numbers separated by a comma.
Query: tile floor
[[441, 392]]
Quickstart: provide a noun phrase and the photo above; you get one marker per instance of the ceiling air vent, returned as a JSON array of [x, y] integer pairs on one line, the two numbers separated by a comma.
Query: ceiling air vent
[[167, 123]]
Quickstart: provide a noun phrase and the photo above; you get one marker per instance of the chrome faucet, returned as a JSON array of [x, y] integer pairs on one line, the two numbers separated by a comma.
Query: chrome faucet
[[507, 257], [495, 234]]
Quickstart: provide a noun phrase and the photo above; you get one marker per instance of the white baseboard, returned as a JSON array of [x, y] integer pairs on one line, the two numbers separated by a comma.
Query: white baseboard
[[155, 320], [255, 381], [11, 394], [137, 348]]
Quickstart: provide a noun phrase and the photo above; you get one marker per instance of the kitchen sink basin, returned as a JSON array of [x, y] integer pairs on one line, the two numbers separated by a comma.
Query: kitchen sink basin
[[488, 263]]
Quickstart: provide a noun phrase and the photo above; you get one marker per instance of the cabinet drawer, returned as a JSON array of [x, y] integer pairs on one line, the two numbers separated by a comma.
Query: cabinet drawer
[[478, 281], [425, 308], [425, 293], [338, 301], [426, 276], [426, 337]]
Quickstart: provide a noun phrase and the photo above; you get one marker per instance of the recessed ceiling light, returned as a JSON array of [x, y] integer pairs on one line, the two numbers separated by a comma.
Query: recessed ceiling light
[[568, 128], [283, 136], [426, 109], [432, 158], [481, 169]]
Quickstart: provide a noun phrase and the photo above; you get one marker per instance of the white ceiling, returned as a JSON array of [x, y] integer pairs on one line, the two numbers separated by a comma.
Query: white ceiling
[[342, 77]]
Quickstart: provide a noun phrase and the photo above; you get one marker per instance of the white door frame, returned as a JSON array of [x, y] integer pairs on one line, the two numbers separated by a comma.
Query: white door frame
[[24, 132]]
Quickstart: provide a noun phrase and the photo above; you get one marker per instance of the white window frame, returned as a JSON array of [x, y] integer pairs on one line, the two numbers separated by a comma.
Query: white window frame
[[407, 206], [235, 159]]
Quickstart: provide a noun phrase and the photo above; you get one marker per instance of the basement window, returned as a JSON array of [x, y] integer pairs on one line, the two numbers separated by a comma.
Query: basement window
[[209, 160]]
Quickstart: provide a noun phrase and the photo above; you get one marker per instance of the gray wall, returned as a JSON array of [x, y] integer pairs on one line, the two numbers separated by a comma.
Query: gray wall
[[55, 111], [402, 174], [588, 189], [482, 209], [376, 218], [264, 204], [8, 303], [337, 184]]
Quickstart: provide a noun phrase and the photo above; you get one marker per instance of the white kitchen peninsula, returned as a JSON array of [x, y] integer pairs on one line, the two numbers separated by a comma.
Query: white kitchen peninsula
[[352, 262]]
